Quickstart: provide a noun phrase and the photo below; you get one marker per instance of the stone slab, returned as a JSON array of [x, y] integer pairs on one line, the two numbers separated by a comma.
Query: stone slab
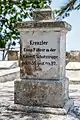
[[48, 93], [73, 75], [8, 64], [44, 24], [73, 66], [9, 74], [9, 71], [44, 110], [42, 54]]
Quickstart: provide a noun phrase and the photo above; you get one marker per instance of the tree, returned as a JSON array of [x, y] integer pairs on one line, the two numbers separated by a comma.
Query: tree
[[67, 8], [11, 12]]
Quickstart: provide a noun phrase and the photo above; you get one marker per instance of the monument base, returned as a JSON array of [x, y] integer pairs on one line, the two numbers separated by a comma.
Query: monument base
[[46, 96], [43, 110]]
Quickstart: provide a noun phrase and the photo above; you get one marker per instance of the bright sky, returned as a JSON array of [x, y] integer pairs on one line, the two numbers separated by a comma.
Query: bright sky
[[73, 37]]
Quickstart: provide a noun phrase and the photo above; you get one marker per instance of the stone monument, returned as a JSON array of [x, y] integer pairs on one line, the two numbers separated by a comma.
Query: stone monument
[[43, 86]]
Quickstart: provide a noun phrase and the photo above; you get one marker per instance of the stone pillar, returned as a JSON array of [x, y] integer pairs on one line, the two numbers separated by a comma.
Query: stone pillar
[[42, 64]]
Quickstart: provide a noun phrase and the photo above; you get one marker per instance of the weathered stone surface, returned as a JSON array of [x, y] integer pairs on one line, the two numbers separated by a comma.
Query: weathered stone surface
[[41, 14], [7, 98], [41, 93], [43, 24], [9, 74], [42, 63], [8, 64], [43, 55], [45, 110], [43, 50]]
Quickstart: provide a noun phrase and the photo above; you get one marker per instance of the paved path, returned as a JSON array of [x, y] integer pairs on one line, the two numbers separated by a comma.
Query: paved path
[[6, 98]]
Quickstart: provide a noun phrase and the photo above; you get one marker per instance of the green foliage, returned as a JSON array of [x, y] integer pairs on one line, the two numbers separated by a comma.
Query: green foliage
[[13, 11], [67, 8]]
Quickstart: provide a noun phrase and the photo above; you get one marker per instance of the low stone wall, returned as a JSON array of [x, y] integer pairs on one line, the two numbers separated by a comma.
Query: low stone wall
[[9, 75], [73, 75]]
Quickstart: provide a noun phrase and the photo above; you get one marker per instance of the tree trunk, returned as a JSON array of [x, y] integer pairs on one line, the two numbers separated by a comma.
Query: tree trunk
[[3, 55], [7, 50]]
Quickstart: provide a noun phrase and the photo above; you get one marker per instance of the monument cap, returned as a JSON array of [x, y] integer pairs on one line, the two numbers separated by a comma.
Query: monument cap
[[45, 13]]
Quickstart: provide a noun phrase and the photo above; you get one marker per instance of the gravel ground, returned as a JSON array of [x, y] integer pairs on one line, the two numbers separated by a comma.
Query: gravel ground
[[7, 98]]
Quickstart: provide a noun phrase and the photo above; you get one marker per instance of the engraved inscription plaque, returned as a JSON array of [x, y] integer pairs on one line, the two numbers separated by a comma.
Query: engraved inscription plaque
[[40, 55]]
